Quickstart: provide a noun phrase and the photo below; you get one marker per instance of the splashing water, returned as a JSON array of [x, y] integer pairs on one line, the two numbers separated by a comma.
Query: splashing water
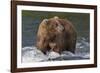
[[32, 54]]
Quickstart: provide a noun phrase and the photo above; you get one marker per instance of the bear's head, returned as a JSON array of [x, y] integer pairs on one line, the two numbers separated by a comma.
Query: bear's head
[[54, 25]]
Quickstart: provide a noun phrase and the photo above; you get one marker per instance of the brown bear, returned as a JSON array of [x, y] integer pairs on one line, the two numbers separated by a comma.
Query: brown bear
[[57, 35]]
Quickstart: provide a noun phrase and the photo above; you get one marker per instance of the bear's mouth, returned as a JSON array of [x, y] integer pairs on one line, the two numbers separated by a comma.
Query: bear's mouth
[[52, 45]]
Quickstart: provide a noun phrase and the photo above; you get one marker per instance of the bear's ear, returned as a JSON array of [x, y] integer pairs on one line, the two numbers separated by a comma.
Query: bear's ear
[[45, 21], [56, 17]]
